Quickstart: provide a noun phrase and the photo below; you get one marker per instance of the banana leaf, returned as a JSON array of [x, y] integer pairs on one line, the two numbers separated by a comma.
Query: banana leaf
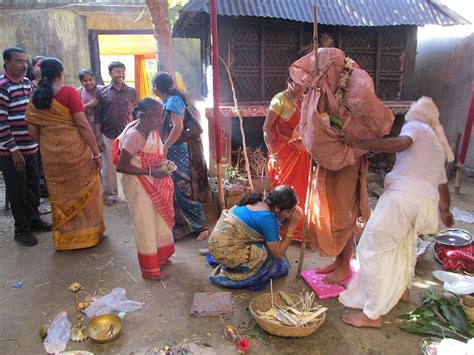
[[439, 316], [426, 327]]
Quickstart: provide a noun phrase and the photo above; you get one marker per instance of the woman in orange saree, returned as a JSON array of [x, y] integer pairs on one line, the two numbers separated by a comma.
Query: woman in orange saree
[[71, 160], [289, 162], [138, 153]]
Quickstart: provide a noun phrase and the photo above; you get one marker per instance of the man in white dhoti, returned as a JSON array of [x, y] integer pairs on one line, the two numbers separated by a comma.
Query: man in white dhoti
[[416, 193]]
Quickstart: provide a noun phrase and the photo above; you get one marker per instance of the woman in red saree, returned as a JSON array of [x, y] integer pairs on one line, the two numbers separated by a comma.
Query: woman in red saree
[[289, 162], [149, 190]]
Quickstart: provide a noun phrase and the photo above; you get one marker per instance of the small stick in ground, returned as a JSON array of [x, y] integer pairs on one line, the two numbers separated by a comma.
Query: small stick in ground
[[153, 300], [44, 283], [271, 289], [107, 264], [99, 278], [129, 274]]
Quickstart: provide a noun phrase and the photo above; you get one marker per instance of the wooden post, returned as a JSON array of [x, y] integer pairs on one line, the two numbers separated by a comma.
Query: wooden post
[[217, 113], [309, 191], [465, 144]]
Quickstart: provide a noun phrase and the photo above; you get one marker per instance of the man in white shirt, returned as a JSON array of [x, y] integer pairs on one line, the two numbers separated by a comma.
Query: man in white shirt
[[416, 193]]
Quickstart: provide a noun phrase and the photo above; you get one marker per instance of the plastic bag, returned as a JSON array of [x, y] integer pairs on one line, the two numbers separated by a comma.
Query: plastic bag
[[455, 283], [58, 334], [463, 216], [114, 301], [451, 346]]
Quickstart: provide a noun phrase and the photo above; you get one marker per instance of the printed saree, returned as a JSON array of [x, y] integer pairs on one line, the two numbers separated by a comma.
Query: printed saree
[[244, 259], [74, 185], [150, 202], [189, 213]]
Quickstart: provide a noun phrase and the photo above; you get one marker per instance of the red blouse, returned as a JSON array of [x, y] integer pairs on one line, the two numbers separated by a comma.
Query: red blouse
[[68, 97]]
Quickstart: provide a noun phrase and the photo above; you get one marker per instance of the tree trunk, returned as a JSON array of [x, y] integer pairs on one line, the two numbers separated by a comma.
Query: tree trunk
[[162, 31]]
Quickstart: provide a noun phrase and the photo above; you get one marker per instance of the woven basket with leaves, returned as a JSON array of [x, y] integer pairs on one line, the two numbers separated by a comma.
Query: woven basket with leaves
[[264, 302]]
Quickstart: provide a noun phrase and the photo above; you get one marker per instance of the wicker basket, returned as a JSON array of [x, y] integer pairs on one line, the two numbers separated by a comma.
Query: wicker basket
[[264, 302], [468, 309]]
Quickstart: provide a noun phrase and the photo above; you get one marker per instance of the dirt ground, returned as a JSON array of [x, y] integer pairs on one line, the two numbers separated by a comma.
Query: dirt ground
[[165, 317]]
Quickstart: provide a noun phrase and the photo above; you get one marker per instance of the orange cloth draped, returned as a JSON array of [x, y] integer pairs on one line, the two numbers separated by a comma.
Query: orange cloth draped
[[294, 161], [340, 192], [74, 185], [339, 199]]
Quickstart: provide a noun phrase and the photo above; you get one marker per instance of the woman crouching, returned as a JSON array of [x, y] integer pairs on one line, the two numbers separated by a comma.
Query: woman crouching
[[149, 190], [245, 241]]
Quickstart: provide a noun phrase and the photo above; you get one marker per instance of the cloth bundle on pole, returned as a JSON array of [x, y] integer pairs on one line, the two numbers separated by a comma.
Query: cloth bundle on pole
[[352, 100], [345, 92]]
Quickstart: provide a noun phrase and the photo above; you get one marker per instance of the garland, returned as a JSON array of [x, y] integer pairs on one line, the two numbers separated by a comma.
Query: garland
[[343, 77]]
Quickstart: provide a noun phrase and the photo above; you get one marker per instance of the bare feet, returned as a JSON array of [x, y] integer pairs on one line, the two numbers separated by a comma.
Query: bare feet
[[338, 276], [109, 202], [328, 268], [166, 263], [360, 320], [406, 296], [162, 277], [203, 235]]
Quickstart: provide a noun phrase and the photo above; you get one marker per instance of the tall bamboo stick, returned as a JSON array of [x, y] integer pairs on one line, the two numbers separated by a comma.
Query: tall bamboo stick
[[239, 115], [216, 110], [309, 190]]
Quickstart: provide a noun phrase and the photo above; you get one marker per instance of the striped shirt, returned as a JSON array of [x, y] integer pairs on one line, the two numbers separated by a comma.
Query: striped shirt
[[14, 97]]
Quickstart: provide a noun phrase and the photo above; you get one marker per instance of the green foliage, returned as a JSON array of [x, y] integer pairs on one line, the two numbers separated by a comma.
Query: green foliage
[[438, 316], [174, 6], [336, 122], [177, 3], [230, 173]]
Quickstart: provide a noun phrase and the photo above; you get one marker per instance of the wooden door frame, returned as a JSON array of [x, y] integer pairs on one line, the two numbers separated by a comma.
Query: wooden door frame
[[94, 50]]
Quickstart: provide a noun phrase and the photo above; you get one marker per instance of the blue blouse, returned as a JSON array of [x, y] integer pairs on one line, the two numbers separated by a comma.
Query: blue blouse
[[175, 103], [264, 222]]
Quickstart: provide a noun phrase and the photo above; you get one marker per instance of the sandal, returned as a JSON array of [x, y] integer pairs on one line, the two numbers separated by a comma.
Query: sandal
[[44, 209]]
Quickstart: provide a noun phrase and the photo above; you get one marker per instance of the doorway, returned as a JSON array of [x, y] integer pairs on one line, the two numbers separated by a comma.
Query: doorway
[[136, 49]]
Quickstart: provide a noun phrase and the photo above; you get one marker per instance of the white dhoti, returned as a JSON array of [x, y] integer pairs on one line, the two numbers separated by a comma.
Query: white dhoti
[[387, 251]]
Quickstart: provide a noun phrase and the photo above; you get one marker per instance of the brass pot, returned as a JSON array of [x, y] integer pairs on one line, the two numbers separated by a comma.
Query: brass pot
[[104, 328]]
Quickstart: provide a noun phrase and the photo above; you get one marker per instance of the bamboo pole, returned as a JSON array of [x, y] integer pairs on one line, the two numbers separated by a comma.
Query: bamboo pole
[[465, 144], [239, 115], [309, 190], [216, 110]]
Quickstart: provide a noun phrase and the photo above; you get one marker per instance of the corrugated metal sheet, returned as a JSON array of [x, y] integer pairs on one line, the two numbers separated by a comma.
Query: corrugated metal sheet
[[334, 12], [49, 3]]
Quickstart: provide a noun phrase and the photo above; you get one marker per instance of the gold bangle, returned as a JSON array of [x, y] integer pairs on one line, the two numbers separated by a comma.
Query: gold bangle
[[288, 235]]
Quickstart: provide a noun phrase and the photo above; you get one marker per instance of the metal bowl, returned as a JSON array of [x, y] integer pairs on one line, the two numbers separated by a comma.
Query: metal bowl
[[104, 328], [428, 345], [454, 237]]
